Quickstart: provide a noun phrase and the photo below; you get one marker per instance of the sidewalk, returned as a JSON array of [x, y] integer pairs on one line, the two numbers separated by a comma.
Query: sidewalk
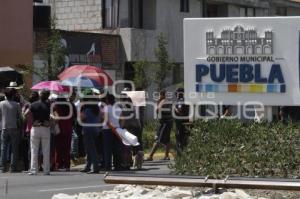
[[156, 166]]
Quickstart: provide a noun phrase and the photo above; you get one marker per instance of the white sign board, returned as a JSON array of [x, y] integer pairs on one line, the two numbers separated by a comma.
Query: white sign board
[[240, 60], [138, 97]]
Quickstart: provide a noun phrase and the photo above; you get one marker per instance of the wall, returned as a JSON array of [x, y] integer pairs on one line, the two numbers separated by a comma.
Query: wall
[[16, 32], [169, 20], [80, 15], [141, 43]]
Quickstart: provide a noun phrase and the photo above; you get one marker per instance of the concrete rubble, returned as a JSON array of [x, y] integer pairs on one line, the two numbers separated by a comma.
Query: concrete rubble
[[157, 192]]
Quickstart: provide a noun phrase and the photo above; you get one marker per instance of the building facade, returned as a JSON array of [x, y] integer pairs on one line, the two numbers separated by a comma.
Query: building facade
[[16, 32], [139, 22]]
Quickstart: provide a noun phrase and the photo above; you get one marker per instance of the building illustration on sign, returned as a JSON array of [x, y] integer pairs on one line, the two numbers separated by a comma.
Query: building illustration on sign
[[239, 41], [237, 62]]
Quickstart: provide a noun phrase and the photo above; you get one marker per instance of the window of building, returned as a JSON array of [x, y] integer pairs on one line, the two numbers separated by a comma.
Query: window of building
[[136, 13], [247, 12], [280, 11], [41, 15], [184, 6], [110, 13], [215, 10]]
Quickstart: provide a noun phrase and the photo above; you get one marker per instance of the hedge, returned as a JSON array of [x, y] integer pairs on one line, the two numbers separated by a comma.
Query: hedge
[[229, 147]]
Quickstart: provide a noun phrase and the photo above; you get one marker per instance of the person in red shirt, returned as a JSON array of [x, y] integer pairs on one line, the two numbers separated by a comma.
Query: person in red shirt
[[62, 141]]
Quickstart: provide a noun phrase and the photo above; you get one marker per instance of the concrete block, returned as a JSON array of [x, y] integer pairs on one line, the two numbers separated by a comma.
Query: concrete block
[[71, 3], [71, 27], [74, 9], [82, 2], [98, 2], [74, 21], [59, 4], [67, 22], [77, 27], [77, 3], [90, 14], [66, 16], [71, 15], [90, 26], [63, 27], [81, 9], [65, 4], [80, 20], [58, 10], [90, 2], [89, 8], [93, 20], [96, 8], [67, 9], [84, 26], [77, 15]]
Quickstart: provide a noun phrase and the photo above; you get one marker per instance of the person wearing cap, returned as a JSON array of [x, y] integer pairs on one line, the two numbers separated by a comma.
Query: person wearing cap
[[10, 115], [17, 96]]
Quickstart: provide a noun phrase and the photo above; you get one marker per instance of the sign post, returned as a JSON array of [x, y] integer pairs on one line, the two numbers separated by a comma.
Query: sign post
[[243, 61]]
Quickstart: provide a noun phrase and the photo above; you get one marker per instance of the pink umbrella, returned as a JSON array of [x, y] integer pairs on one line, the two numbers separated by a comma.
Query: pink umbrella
[[51, 86]]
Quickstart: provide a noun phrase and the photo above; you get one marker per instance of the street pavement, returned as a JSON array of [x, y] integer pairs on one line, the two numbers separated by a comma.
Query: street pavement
[[23, 186]]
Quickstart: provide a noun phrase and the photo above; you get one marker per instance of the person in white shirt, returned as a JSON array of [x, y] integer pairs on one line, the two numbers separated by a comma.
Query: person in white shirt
[[111, 143]]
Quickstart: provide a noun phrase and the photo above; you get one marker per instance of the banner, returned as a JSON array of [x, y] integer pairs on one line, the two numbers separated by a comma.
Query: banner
[[239, 60]]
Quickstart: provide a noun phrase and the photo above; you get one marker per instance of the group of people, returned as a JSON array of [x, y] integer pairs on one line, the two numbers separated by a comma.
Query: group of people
[[46, 132]]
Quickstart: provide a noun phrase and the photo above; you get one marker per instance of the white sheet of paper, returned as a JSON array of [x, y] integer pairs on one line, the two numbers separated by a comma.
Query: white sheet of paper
[[138, 97]]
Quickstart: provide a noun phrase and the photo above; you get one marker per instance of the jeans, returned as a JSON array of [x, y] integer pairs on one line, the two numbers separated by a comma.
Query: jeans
[[112, 149], [40, 135], [10, 137], [89, 138], [107, 148]]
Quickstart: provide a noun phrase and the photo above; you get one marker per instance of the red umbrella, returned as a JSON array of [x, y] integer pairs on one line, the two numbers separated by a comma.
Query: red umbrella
[[92, 72], [52, 86]]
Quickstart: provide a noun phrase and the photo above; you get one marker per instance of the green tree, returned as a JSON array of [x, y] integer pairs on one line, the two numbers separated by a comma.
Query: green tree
[[55, 52], [140, 79], [162, 66]]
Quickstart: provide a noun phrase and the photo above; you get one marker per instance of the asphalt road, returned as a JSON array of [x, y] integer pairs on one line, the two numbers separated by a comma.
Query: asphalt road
[[23, 186]]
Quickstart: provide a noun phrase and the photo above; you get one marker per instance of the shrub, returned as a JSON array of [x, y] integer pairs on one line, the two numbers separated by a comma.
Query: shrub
[[149, 133], [228, 147]]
